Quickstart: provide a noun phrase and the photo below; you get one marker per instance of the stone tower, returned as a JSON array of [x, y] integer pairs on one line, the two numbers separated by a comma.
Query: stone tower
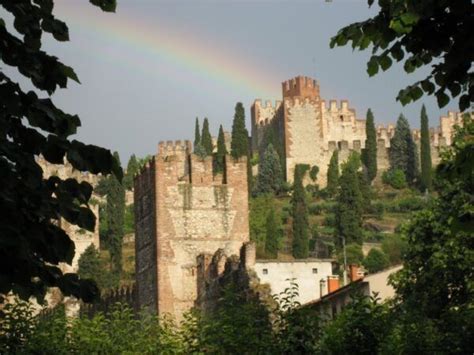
[[184, 210]]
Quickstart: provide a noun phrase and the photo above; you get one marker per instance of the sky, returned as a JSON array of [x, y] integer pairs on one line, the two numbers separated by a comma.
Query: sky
[[148, 70]]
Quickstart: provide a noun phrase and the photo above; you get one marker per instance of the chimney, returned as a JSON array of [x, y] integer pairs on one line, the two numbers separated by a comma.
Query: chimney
[[333, 283], [355, 272]]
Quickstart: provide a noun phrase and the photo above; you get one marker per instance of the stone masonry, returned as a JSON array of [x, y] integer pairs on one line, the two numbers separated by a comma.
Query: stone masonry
[[310, 130], [184, 210]]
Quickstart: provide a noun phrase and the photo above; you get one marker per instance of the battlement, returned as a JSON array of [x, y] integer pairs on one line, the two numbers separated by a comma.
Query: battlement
[[300, 86], [264, 114], [174, 148], [343, 107]]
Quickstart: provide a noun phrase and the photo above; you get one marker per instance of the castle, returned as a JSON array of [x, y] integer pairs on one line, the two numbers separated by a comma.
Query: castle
[[192, 236], [309, 130], [182, 211]]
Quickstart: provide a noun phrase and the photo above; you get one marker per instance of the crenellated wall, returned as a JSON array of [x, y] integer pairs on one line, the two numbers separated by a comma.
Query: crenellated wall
[[186, 210], [312, 129]]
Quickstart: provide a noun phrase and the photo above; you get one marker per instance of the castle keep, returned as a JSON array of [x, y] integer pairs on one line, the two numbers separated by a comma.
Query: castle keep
[[183, 210], [309, 130]]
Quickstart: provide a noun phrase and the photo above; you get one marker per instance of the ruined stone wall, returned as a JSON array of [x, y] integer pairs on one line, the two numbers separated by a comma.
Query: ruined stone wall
[[196, 212], [82, 238]]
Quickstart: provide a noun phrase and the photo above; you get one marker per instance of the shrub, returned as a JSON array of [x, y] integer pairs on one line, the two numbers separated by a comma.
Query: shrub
[[315, 209], [376, 260], [394, 247], [407, 204], [395, 178], [330, 220]]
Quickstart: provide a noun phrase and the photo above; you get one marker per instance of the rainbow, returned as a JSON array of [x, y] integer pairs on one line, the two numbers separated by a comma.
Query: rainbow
[[158, 44]]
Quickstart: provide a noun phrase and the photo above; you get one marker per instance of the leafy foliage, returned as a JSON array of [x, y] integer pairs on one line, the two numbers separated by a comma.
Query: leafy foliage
[[300, 214], [270, 176], [375, 261], [354, 254], [369, 156], [361, 328], [30, 125], [395, 178], [425, 152], [258, 212], [394, 247], [349, 207], [403, 150], [435, 287], [333, 174], [420, 32], [274, 233], [206, 138]]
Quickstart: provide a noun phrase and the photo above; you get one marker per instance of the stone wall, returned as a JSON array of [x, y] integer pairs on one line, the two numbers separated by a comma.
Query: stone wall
[[184, 210], [82, 238], [311, 130]]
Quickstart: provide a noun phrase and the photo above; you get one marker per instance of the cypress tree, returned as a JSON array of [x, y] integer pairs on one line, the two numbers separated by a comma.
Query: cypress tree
[[300, 214], [270, 176], [273, 233], [333, 174], [115, 220], [132, 169], [348, 210], [206, 138], [90, 266], [239, 146], [403, 150], [425, 152], [221, 150], [370, 151], [197, 134]]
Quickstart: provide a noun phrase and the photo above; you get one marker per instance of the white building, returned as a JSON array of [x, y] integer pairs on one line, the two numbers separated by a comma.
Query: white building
[[306, 273]]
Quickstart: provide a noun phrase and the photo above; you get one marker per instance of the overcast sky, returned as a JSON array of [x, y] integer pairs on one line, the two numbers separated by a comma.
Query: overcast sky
[[149, 69]]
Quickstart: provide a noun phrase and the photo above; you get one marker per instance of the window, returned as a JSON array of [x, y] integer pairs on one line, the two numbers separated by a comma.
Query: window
[[265, 271], [315, 270]]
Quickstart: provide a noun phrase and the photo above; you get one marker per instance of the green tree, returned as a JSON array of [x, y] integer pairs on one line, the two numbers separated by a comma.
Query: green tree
[[221, 150], [348, 210], [361, 328], [273, 233], [394, 246], [270, 176], [239, 146], [370, 152], [30, 125], [425, 152], [258, 211], [434, 288], [115, 221], [90, 266], [133, 167], [423, 31], [197, 134], [395, 178], [375, 261], [354, 254], [403, 150], [333, 174], [206, 138], [300, 214]]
